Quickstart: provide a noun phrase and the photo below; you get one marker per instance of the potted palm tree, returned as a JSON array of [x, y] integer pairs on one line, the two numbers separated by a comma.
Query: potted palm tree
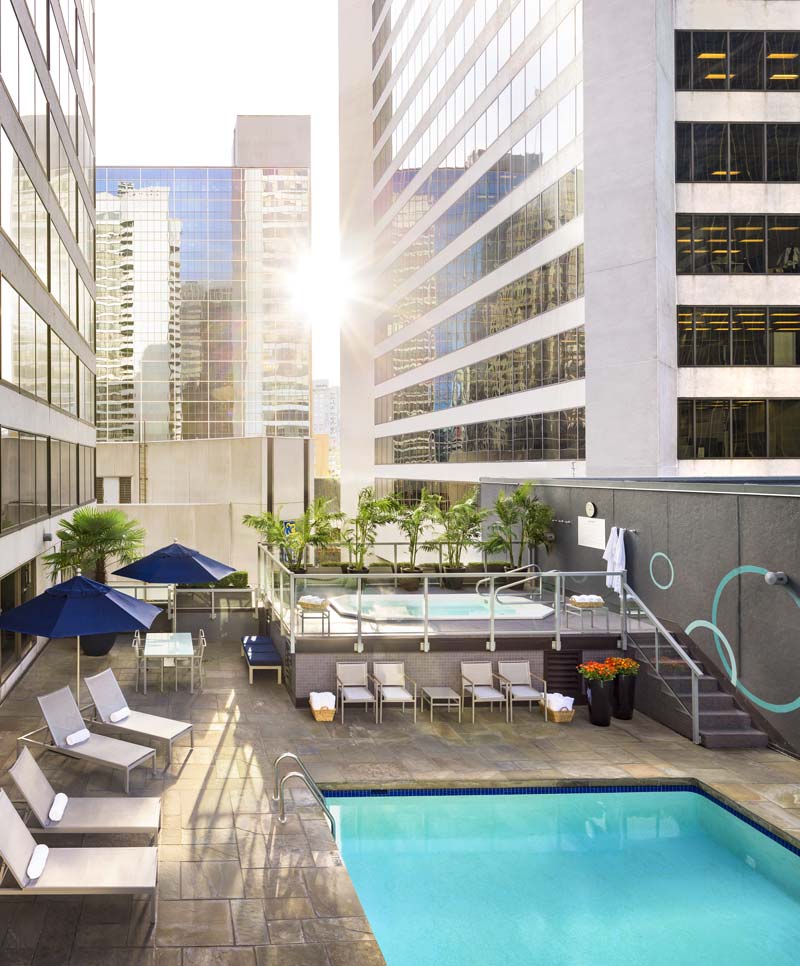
[[315, 527], [460, 529], [522, 522], [414, 521], [88, 542], [359, 532]]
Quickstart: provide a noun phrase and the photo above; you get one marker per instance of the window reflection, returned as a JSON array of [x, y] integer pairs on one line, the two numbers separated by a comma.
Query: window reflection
[[739, 60], [746, 244]]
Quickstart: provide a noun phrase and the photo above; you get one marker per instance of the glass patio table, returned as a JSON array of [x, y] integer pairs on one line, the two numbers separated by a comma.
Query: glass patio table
[[166, 648]]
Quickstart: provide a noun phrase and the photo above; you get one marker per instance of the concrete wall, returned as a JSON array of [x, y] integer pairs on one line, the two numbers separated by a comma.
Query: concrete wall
[[198, 490], [699, 540], [283, 140]]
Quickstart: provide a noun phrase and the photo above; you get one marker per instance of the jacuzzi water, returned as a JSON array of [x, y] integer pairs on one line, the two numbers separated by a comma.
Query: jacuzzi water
[[580, 879], [405, 607]]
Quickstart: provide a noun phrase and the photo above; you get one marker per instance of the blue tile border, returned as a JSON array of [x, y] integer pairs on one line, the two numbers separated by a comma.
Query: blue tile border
[[333, 794]]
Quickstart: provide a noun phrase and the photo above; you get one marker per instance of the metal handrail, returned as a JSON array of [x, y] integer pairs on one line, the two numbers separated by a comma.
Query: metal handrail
[[305, 777], [693, 667], [525, 568]]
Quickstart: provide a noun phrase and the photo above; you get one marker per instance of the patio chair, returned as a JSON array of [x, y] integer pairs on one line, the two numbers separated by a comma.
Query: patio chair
[[141, 660], [196, 663], [80, 816], [516, 681], [114, 713], [477, 681], [69, 736], [79, 872], [392, 683], [352, 686]]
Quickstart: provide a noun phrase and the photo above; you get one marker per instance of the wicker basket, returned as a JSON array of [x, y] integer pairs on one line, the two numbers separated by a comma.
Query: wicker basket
[[559, 717], [323, 714], [586, 605]]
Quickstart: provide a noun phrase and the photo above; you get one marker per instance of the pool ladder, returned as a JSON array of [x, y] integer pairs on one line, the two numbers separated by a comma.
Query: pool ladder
[[279, 783]]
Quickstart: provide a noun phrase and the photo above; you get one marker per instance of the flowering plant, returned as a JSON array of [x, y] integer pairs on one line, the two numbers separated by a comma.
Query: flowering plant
[[624, 666], [595, 671]]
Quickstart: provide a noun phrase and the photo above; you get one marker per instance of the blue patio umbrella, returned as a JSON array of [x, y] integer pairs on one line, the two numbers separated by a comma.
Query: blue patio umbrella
[[176, 564], [79, 606]]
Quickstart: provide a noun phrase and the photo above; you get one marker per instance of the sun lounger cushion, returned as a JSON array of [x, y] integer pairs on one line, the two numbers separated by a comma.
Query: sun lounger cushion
[[395, 693], [78, 737], [262, 655], [37, 862], [484, 693], [58, 807], [120, 715], [357, 694]]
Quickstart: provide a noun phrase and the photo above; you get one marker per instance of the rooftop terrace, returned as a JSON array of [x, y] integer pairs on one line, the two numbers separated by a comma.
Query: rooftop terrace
[[235, 887]]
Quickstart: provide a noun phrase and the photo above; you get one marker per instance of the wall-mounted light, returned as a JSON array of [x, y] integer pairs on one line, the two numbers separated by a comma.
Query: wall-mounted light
[[776, 577], [47, 536]]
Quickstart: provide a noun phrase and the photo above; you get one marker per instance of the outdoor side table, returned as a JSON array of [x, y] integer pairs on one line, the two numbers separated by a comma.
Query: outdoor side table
[[441, 698], [168, 647], [583, 611]]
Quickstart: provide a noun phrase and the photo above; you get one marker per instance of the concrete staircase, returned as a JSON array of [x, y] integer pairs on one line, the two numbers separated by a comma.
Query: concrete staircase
[[667, 696]]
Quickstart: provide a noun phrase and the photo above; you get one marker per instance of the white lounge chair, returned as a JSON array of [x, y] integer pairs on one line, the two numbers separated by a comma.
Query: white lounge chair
[[392, 684], [75, 872], [516, 681], [110, 705], [64, 722], [477, 681], [352, 686], [82, 815]]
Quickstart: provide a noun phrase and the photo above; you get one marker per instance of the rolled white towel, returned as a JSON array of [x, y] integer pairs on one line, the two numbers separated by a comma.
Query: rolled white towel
[[322, 700], [311, 599]]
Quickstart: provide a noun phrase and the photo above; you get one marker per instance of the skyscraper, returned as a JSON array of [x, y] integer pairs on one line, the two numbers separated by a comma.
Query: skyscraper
[[46, 292], [198, 335], [519, 320], [326, 419]]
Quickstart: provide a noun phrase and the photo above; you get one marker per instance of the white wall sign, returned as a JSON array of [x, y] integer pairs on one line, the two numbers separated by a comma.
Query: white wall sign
[[592, 533]]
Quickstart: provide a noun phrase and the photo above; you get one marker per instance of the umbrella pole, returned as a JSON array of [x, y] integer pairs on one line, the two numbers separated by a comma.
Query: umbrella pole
[[78, 681]]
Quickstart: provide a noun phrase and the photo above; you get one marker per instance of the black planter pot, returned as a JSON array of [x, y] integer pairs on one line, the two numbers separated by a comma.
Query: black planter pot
[[624, 694], [452, 583], [96, 645], [409, 580], [600, 697]]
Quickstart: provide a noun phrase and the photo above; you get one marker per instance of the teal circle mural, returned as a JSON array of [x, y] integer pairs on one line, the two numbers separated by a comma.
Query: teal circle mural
[[722, 644], [658, 554]]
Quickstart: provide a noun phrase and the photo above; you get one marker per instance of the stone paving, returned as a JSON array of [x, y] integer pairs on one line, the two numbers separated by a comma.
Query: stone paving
[[236, 888]]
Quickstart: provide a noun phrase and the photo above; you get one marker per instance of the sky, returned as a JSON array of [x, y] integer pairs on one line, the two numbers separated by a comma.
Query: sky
[[173, 74]]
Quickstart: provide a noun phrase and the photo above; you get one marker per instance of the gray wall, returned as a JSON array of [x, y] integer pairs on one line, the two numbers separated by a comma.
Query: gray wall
[[707, 531]]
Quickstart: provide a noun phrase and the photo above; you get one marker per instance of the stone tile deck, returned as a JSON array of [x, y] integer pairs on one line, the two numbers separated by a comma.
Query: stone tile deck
[[236, 888]]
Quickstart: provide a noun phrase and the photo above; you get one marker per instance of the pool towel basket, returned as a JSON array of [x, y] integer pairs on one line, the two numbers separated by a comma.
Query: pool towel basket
[[323, 705], [559, 717]]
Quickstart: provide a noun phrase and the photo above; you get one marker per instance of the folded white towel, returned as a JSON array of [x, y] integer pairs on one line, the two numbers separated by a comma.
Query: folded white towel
[[587, 598], [78, 737], [58, 807], [559, 702], [321, 700], [37, 862], [311, 599], [120, 715]]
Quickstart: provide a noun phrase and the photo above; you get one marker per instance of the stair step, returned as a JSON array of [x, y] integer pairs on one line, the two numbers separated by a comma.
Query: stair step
[[723, 720], [682, 683], [715, 701], [734, 738]]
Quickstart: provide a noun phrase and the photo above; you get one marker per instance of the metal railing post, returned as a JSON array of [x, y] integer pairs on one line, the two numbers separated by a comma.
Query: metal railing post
[[292, 615], [695, 709], [557, 611], [426, 643], [359, 642], [655, 635], [213, 604], [490, 646], [623, 616]]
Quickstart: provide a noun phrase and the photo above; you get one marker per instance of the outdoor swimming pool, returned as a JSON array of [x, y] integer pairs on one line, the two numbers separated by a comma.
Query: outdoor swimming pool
[[411, 607], [598, 877]]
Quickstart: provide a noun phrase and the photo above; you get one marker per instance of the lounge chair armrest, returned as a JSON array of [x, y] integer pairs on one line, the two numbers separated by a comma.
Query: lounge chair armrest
[[465, 679], [499, 677]]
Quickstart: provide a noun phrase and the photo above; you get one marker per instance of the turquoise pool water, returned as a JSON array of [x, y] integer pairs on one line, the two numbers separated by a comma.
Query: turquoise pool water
[[590, 879]]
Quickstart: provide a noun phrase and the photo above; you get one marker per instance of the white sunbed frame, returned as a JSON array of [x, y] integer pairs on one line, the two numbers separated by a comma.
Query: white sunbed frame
[[130, 816], [100, 749], [107, 697], [74, 872]]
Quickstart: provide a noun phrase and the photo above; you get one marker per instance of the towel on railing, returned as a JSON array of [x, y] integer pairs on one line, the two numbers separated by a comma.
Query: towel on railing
[[320, 700], [559, 702]]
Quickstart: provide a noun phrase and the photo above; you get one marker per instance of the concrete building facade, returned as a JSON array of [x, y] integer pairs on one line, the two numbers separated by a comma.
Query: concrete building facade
[[518, 318], [47, 366]]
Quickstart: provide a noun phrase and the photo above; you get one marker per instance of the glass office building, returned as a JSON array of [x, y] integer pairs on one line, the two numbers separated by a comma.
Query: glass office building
[[198, 336], [47, 367]]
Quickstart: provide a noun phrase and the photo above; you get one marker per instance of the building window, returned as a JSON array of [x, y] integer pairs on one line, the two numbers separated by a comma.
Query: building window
[[744, 335], [738, 429], [98, 489], [737, 244], [712, 60], [124, 489], [16, 588], [737, 152]]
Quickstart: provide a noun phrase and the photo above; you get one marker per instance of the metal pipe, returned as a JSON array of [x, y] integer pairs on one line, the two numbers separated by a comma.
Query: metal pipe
[[695, 710], [623, 617], [557, 612], [491, 644], [426, 644], [292, 614], [359, 641]]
